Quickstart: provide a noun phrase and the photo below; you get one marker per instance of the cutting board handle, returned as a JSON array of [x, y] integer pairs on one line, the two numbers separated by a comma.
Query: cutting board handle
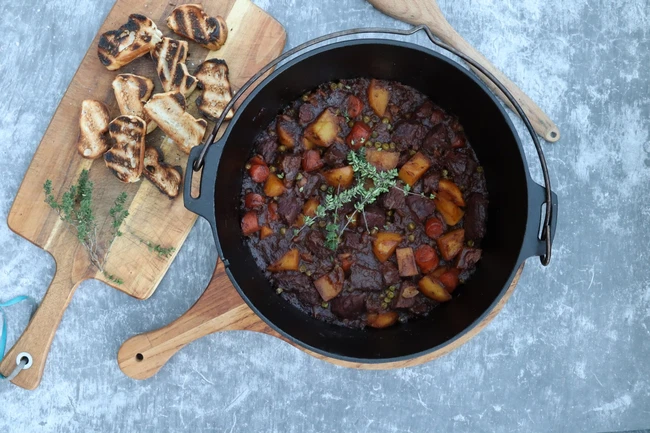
[[37, 338], [220, 308], [428, 12]]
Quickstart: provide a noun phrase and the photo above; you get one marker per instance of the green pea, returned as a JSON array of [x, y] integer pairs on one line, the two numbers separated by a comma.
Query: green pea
[[366, 119], [283, 230], [390, 212], [389, 126], [392, 145], [374, 231], [391, 295], [411, 238], [323, 187], [322, 224], [385, 120], [412, 152], [378, 144], [247, 166], [470, 243], [385, 146], [308, 273], [282, 148], [305, 97], [479, 169], [374, 134], [340, 85], [333, 86], [384, 305], [279, 290], [351, 123], [445, 173], [272, 169], [411, 226], [325, 304], [299, 176], [369, 144], [302, 268]]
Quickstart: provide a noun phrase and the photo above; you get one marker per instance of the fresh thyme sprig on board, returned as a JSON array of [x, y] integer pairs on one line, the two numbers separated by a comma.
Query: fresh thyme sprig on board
[[75, 209]]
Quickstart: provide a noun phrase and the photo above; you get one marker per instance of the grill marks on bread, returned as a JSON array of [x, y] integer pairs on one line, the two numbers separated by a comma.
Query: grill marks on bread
[[126, 157], [93, 125], [168, 111], [134, 39], [213, 79], [192, 22], [170, 56], [132, 92], [166, 178]]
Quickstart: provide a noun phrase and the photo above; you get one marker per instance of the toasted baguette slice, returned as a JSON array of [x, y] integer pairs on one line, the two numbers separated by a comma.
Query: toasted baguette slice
[[192, 22], [213, 79], [134, 39], [170, 56], [131, 92], [126, 157], [93, 125], [166, 178], [168, 111]]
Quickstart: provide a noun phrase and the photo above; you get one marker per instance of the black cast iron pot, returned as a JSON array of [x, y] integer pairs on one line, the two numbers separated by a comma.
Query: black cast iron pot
[[514, 213]]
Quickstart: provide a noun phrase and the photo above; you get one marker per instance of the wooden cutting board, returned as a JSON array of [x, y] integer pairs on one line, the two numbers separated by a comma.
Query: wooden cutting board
[[254, 39]]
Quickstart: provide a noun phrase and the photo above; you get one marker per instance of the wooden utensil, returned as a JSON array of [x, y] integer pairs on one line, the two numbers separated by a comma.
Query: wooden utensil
[[254, 39], [220, 308], [428, 12]]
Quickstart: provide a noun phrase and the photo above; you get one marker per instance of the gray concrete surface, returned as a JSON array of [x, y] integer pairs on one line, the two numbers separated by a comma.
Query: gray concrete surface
[[570, 351]]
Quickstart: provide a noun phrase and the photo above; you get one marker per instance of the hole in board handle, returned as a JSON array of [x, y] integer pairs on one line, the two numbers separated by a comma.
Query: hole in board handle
[[139, 357]]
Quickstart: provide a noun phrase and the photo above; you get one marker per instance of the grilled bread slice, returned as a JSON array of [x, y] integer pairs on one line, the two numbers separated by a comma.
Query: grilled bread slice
[[131, 92], [213, 79], [166, 178], [168, 111], [170, 56], [126, 157], [192, 22], [93, 125], [134, 39]]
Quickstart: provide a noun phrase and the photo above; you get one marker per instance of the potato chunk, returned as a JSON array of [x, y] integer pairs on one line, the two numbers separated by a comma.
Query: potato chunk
[[451, 213], [451, 244], [378, 97], [265, 232], [382, 320], [414, 168], [383, 161], [274, 187], [331, 284], [288, 262], [324, 130], [342, 177], [406, 262], [309, 208], [385, 244], [448, 190], [433, 289]]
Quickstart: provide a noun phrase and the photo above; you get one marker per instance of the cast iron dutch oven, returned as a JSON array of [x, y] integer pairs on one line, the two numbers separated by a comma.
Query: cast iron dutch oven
[[514, 212]]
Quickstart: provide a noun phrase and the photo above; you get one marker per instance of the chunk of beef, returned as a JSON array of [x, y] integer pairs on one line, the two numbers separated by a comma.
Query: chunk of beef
[[315, 243], [307, 113], [349, 306], [336, 155], [475, 216], [363, 278], [430, 182], [437, 141], [390, 273], [352, 241], [422, 207], [425, 110], [268, 147], [468, 258], [373, 303], [299, 284], [394, 198], [405, 302], [291, 166], [408, 134], [375, 217], [289, 207], [309, 184], [461, 166]]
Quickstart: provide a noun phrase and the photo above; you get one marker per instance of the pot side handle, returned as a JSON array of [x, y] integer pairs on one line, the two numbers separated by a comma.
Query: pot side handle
[[541, 224], [203, 204]]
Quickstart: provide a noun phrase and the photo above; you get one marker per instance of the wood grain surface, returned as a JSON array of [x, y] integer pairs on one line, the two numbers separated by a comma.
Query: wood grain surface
[[428, 12], [220, 308], [254, 39]]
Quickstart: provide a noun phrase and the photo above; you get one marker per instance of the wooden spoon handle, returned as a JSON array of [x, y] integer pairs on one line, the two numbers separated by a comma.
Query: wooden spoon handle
[[428, 13], [220, 308], [37, 338]]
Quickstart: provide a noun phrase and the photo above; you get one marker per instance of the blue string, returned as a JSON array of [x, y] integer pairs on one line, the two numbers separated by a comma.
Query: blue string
[[3, 335]]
